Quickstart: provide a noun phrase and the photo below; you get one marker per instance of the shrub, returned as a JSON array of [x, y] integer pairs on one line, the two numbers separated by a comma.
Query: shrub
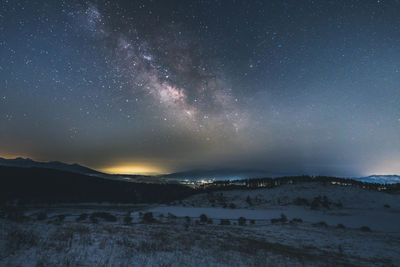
[[82, 217], [61, 217], [301, 202], [325, 202], [315, 204], [209, 221], [339, 204], [103, 215], [171, 216], [386, 206], [248, 200], [148, 217], [282, 219], [203, 218], [41, 216], [296, 220], [365, 229], [252, 221], [341, 226], [127, 219], [232, 206], [225, 222], [187, 219], [242, 221]]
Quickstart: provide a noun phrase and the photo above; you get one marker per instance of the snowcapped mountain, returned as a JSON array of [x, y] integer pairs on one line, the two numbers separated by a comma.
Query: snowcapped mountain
[[380, 179]]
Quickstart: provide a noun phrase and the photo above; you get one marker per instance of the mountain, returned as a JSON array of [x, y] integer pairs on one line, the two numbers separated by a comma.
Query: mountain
[[222, 174], [380, 179], [56, 165]]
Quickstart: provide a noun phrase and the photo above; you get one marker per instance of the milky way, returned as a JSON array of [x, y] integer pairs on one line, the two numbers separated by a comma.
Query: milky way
[[289, 87], [165, 71]]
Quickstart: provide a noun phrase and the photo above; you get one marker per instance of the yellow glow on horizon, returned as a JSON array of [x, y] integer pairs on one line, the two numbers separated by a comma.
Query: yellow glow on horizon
[[141, 169]]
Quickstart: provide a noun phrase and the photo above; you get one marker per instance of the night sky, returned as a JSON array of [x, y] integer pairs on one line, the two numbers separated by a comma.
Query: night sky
[[290, 87]]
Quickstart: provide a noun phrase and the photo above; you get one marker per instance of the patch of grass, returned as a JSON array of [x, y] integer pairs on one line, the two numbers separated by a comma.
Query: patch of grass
[[18, 239], [82, 217]]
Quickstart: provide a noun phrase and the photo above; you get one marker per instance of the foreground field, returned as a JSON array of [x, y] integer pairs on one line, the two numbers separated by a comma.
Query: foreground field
[[205, 230]]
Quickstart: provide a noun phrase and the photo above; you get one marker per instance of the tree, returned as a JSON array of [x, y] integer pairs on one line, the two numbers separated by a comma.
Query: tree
[[242, 221]]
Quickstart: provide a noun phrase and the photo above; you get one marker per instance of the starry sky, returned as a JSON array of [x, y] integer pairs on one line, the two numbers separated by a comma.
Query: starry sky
[[285, 86]]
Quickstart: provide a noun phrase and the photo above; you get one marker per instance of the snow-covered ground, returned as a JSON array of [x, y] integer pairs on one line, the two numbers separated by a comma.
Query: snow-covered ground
[[175, 235]]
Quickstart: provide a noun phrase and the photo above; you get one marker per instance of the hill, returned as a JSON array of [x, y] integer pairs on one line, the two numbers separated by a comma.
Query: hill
[[49, 185]]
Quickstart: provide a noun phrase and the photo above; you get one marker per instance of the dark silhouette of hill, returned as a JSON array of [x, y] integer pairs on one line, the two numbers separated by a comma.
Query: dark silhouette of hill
[[38, 185], [57, 165]]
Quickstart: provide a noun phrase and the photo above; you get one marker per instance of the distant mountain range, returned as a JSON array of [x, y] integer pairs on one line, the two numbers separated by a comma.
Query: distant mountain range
[[56, 165], [193, 175], [380, 179]]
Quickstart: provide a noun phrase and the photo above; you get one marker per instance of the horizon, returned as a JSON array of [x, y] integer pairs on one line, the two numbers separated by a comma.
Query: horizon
[[141, 171]]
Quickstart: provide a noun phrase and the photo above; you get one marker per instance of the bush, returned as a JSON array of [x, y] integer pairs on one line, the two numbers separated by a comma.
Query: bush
[[148, 217], [127, 219], [341, 226], [41, 216], [103, 215], [386, 206], [282, 219], [203, 218], [301, 202], [61, 217], [209, 221], [339, 204], [296, 220], [187, 219], [252, 221], [232, 206], [315, 203], [248, 200], [365, 229], [171, 216], [82, 217], [225, 222], [242, 221]]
